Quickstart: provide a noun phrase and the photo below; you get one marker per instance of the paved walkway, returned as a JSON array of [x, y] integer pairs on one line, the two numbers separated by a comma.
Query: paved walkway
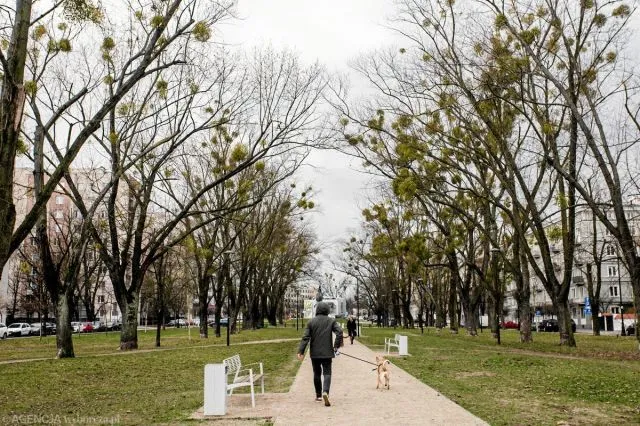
[[355, 400]]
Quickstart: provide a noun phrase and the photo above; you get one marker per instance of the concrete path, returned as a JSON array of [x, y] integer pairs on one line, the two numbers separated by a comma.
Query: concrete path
[[355, 400]]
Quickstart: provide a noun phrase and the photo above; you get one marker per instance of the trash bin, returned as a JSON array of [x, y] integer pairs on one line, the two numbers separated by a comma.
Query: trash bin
[[215, 390], [403, 347]]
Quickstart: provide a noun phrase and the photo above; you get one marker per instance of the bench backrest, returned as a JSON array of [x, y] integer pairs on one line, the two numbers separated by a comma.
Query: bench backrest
[[232, 365], [397, 337]]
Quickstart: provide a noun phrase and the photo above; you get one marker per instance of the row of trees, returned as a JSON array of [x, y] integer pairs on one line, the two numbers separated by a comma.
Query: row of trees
[[494, 124], [179, 147]]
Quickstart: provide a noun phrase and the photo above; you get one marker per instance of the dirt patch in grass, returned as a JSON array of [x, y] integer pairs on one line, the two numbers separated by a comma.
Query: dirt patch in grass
[[466, 374], [587, 416]]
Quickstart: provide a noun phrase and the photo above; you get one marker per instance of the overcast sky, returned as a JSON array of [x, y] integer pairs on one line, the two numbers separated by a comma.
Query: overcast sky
[[332, 32]]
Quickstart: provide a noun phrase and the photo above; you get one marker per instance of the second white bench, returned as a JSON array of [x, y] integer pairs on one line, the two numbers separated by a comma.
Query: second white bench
[[389, 342]]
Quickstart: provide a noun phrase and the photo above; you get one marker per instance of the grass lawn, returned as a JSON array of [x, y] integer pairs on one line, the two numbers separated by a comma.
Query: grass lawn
[[134, 388], [596, 383], [513, 384], [105, 343]]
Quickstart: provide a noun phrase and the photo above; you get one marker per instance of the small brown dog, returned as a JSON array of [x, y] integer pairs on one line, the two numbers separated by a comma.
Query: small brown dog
[[383, 371]]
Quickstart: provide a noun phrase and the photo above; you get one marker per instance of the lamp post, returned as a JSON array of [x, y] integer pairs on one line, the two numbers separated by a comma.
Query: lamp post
[[622, 331], [228, 316], [381, 302], [421, 292], [226, 265], [494, 252], [393, 305], [358, 305], [297, 306]]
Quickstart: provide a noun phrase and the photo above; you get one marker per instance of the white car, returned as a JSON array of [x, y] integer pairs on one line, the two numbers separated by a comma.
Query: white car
[[18, 329], [3, 331], [76, 326]]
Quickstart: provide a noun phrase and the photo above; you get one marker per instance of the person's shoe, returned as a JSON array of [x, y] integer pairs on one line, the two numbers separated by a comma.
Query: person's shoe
[[325, 396], [318, 398]]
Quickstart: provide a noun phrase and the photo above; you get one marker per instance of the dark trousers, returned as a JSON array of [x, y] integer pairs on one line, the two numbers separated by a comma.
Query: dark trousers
[[321, 366], [352, 335]]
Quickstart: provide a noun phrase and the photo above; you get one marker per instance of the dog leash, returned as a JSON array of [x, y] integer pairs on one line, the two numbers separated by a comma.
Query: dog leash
[[359, 359]]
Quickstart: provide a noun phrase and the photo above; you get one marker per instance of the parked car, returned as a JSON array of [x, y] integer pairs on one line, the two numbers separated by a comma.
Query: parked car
[[114, 325], [86, 327], [75, 326], [99, 326], [180, 322], [3, 331], [18, 329], [631, 329], [34, 329], [551, 325], [49, 329], [223, 322], [510, 325]]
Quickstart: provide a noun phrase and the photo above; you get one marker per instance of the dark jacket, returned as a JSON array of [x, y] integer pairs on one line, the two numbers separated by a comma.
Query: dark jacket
[[351, 326], [319, 331]]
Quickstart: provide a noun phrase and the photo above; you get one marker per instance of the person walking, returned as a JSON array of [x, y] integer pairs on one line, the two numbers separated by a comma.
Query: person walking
[[352, 328], [322, 349]]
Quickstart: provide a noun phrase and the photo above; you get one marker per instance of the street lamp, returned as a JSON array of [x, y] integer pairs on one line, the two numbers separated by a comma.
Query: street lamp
[[494, 253], [421, 292], [226, 265], [394, 293], [622, 331], [297, 306], [357, 306]]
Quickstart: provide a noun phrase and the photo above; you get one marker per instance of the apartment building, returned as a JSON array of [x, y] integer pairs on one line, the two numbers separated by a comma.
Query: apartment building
[[295, 297], [616, 293], [22, 293]]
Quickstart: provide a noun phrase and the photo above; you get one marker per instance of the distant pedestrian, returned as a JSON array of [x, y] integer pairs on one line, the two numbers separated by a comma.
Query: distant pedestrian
[[322, 349], [352, 328]]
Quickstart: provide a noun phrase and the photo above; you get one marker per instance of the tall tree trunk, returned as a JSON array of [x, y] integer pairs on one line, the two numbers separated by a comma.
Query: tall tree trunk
[[217, 315], [491, 315], [129, 333], [271, 316], [203, 306], [564, 323], [160, 303], [452, 302], [635, 280], [523, 297], [64, 333], [594, 300], [12, 99], [406, 311]]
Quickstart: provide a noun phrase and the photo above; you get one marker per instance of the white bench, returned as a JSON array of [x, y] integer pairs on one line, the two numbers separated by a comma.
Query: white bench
[[242, 376], [389, 342]]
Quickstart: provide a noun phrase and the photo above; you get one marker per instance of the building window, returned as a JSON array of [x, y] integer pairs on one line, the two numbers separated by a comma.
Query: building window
[[613, 271], [615, 310], [58, 214], [59, 200], [613, 291], [58, 228], [610, 250], [101, 299]]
